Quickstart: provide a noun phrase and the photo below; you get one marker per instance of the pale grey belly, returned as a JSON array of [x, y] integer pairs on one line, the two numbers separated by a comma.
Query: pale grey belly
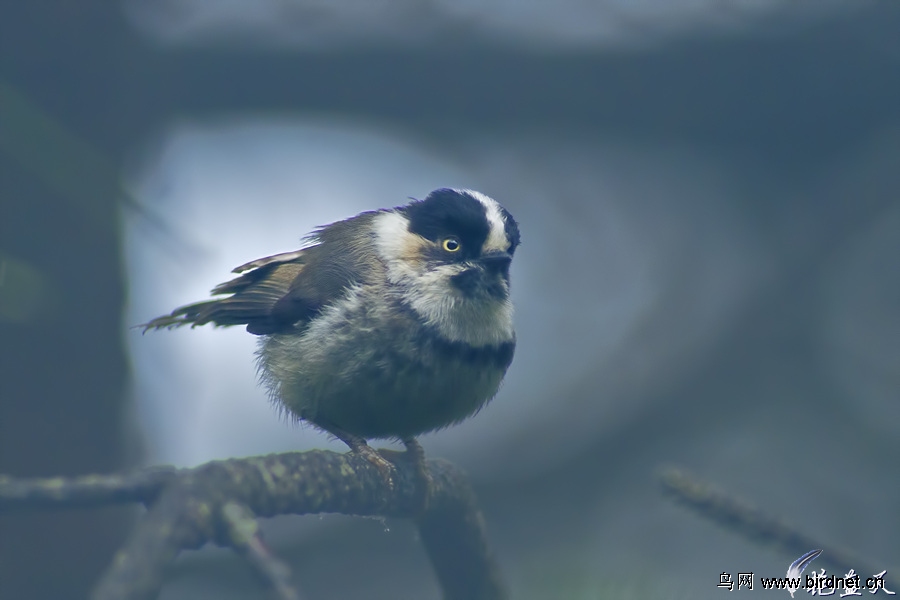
[[379, 384]]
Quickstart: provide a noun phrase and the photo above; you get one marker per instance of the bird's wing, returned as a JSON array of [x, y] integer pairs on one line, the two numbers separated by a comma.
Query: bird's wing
[[276, 293], [268, 260]]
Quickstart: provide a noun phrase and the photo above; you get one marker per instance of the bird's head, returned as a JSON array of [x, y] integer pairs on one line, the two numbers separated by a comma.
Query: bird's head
[[450, 255]]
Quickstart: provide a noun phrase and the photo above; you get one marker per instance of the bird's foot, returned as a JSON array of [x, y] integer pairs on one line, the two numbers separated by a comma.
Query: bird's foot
[[359, 446], [414, 454], [385, 467]]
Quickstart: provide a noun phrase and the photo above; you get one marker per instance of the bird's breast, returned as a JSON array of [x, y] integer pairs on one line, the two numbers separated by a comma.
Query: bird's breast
[[381, 372]]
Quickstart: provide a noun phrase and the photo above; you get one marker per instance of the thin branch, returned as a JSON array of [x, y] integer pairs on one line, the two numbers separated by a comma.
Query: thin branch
[[453, 533], [742, 517], [244, 536], [87, 490], [186, 509]]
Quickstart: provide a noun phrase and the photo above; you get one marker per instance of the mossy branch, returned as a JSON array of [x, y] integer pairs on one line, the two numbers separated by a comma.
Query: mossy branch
[[219, 502]]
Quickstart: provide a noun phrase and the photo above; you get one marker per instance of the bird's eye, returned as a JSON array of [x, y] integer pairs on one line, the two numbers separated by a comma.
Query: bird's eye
[[451, 245]]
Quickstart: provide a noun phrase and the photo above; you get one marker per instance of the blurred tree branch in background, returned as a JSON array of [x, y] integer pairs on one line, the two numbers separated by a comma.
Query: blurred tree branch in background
[[738, 515], [25, 292], [72, 170], [69, 167], [220, 501], [63, 371]]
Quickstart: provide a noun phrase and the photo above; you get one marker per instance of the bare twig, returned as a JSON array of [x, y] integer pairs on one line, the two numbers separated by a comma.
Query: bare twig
[[242, 531], [213, 502], [744, 518], [452, 530], [87, 490]]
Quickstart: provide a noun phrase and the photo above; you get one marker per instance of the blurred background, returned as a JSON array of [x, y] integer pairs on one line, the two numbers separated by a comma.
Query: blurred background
[[709, 276]]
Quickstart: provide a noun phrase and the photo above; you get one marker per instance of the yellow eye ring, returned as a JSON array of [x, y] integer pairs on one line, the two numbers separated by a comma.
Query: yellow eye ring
[[451, 245]]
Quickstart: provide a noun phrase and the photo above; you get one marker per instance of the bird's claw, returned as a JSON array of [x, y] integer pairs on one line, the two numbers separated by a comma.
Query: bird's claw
[[386, 468]]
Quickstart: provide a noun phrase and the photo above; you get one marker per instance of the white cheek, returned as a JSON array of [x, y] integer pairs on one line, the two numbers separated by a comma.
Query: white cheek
[[434, 286], [392, 236], [398, 248], [479, 322]]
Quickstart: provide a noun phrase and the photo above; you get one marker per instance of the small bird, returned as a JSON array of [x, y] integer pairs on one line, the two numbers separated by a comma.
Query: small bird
[[389, 324]]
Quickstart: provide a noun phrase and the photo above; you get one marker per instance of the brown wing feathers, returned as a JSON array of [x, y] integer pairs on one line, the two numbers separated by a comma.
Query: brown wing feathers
[[254, 295], [268, 260], [273, 294]]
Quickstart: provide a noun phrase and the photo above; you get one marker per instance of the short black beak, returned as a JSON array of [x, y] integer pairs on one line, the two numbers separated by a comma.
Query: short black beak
[[497, 262]]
